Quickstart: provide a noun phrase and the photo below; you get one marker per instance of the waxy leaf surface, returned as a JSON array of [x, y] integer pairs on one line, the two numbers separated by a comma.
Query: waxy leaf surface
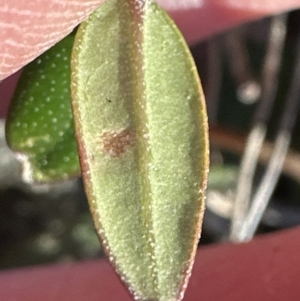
[[141, 127], [40, 124]]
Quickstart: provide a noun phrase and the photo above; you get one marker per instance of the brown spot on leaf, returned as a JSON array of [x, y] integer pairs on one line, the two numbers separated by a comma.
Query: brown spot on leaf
[[116, 143]]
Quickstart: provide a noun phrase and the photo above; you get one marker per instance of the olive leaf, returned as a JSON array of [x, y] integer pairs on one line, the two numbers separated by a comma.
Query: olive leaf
[[39, 126], [141, 128]]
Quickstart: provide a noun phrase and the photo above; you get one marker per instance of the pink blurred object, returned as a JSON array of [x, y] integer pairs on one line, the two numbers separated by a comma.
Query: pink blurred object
[[268, 268], [28, 28]]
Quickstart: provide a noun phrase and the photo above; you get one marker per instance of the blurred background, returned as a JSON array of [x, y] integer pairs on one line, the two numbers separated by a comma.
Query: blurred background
[[251, 78]]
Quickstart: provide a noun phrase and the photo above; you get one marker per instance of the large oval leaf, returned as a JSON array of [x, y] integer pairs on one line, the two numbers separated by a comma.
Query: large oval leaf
[[40, 127], [142, 132]]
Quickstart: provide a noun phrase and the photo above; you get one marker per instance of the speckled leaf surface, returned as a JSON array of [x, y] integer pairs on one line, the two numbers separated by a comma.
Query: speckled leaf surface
[[40, 126], [141, 127]]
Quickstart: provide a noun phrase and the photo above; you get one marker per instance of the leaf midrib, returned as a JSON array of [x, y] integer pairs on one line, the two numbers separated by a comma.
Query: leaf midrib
[[144, 149]]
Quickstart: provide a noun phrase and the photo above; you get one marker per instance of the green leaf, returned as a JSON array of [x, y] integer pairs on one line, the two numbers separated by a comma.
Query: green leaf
[[40, 124], [141, 127]]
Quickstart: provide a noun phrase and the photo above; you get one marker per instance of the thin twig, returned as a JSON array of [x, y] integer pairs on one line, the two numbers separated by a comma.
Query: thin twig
[[257, 134], [266, 188], [247, 170], [267, 185], [270, 72]]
